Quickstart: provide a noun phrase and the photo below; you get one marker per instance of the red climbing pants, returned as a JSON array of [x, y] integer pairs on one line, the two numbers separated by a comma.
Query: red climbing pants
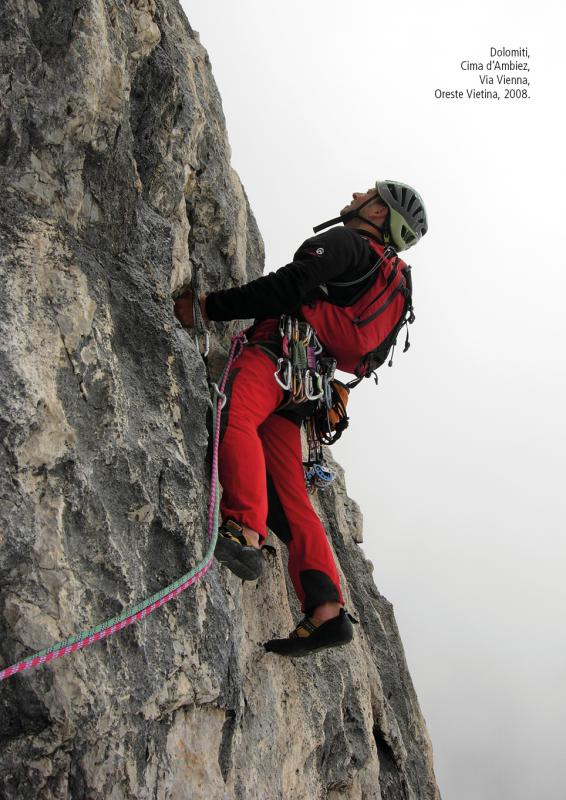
[[262, 477]]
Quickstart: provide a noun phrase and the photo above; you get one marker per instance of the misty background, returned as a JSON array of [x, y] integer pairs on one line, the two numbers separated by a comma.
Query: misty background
[[457, 458]]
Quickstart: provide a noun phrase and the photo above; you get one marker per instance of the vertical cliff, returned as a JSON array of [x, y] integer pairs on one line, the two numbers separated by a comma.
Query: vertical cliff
[[115, 179]]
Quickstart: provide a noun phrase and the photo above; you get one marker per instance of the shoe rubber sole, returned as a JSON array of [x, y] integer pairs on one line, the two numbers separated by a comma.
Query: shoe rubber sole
[[245, 562], [336, 632], [311, 651]]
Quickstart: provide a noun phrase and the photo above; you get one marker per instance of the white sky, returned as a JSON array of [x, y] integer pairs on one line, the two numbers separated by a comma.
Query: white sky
[[457, 460]]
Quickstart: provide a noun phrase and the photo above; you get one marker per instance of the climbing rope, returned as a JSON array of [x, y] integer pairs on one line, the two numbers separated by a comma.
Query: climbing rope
[[147, 607]]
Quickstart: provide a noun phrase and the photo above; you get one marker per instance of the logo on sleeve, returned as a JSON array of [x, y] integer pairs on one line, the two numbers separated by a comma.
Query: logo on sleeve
[[318, 252]]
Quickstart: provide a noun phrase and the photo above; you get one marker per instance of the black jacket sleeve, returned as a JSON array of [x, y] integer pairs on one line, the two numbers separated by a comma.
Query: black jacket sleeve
[[319, 259]]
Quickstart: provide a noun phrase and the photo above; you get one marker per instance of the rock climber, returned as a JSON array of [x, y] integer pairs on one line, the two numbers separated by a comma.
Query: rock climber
[[260, 458]]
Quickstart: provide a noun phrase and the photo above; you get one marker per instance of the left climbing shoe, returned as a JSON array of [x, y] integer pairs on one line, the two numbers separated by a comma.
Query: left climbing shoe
[[233, 551], [308, 637]]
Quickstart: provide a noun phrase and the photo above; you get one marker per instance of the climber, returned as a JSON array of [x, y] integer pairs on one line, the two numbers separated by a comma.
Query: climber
[[260, 460]]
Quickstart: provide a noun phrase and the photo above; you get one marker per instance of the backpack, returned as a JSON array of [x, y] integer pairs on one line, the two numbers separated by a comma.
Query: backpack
[[361, 335]]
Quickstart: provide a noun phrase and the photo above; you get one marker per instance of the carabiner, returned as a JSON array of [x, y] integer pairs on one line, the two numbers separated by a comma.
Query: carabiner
[[327, 391], [202, 341], [284, 333], [318, 348], [285, 384], [309, 385]]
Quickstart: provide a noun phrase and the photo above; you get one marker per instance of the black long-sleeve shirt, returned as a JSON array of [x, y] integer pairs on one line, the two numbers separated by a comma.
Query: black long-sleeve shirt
[[340, 254]]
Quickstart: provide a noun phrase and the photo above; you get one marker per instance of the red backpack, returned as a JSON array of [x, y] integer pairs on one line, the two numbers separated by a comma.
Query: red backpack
[[360, 336]]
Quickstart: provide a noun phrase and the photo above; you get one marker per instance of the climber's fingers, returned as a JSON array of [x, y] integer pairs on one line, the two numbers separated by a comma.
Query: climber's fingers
[[184, 309], [202, 304]]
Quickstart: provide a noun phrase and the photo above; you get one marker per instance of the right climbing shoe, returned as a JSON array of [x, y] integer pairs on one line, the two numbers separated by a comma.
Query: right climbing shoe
[[309, 636], [233, 551]]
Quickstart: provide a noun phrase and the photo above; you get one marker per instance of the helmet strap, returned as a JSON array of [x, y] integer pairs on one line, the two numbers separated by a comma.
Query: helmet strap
[[355, 213], [382, 231]]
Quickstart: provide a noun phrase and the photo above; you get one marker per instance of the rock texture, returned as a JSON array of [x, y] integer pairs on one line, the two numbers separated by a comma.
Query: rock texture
[[116, 180]]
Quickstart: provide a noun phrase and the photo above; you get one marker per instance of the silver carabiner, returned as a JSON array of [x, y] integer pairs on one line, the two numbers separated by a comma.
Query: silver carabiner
[[281, 364], [309, 385], [202, 342], [318, 348], [327, 392]]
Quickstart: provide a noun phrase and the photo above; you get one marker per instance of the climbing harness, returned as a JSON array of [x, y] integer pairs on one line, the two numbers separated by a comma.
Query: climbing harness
[[147, 607]]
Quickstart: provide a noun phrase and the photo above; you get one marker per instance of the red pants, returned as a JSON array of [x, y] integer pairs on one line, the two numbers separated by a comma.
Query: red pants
[[262, 477]]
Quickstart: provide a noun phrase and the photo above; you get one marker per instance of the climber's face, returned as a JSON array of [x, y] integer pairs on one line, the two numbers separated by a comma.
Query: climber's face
[[372, 215], [358, 198]]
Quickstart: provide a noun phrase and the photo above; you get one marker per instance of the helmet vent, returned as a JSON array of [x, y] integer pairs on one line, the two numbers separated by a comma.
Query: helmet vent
[[406, 234]]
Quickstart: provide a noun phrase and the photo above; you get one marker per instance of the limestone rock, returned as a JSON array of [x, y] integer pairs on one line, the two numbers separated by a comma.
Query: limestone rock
[[116, 180]]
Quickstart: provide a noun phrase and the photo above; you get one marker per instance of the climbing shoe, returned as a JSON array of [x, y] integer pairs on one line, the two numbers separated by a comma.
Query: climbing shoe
[[233, 551], [308, 637]]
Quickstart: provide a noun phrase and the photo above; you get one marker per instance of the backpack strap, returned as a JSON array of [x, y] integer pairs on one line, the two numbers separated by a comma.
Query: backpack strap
[[375, 358], [403, 285], [388, 253]]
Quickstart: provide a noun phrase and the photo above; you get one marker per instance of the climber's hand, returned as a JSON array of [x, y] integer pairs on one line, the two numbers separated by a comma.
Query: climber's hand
[[184, 309]]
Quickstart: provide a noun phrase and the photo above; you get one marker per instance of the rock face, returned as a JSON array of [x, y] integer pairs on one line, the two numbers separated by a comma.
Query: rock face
[[116, 180]]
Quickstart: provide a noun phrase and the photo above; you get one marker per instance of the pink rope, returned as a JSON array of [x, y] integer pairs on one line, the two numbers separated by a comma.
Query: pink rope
[[35, 661]]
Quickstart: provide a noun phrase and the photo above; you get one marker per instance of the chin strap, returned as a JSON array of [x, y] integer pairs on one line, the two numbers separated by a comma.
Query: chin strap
[[355, 213]]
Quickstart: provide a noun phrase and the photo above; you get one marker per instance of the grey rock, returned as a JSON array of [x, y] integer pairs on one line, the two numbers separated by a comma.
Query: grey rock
[[116, 181]]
